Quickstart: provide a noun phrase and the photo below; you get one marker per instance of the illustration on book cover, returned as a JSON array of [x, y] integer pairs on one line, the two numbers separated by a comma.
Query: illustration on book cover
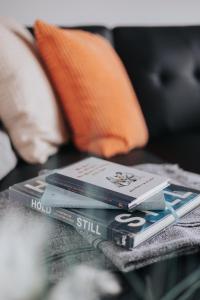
[[121, 179]]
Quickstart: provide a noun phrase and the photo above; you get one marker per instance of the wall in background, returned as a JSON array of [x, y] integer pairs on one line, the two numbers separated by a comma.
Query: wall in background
[[108, 12]]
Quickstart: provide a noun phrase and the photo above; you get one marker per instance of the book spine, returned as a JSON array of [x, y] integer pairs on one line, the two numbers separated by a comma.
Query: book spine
[[89, 190], [78, 221]]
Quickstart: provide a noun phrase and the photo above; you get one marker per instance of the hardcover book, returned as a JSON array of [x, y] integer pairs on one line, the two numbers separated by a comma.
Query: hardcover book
[[114, 184], [57, 197], [127, 229]]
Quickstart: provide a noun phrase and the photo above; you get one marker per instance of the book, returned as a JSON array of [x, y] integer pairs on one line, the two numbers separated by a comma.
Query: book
[[114, 184], [57, 197], [126, 229]]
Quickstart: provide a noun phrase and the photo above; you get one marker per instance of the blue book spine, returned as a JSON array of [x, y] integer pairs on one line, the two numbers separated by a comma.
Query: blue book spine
[[71, 217]]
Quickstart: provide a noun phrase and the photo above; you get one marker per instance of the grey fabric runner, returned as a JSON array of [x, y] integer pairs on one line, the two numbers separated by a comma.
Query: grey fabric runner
[[67, 247], [180, 238]]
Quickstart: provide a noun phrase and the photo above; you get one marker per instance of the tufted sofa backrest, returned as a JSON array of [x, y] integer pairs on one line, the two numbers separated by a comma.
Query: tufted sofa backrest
[[163, 64]]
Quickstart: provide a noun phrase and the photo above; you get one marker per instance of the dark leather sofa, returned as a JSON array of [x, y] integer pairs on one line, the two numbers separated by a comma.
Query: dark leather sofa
[[164, 66]]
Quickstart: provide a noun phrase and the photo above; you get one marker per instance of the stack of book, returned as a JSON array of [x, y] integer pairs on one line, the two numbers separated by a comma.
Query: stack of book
[[111, 201]]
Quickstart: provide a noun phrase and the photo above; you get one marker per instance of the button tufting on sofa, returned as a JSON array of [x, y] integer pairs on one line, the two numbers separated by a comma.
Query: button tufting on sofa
[[197, 74], [165, 77]]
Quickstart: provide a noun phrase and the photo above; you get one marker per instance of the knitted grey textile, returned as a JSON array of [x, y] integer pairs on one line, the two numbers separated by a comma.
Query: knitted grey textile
[[65, 247], [180, 238], [8, 159]]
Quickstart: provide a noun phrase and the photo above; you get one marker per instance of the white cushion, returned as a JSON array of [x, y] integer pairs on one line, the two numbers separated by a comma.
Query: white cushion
[[28, 106], [8, 158]]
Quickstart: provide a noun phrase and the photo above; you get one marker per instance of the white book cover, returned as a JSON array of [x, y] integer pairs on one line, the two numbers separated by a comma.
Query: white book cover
[[135, 185]]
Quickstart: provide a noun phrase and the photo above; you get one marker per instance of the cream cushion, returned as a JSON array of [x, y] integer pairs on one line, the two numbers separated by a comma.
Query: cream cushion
[[28, 106], [8, 158]]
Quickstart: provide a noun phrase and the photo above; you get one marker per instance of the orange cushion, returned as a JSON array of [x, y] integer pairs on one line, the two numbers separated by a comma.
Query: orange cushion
[[95, 91]]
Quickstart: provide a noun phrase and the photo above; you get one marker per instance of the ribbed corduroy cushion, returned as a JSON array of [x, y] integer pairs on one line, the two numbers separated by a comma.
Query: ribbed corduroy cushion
[[94, 88]]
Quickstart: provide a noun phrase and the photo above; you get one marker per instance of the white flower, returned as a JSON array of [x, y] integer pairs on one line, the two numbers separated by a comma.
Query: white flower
[[85, 283], [22, 274]]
